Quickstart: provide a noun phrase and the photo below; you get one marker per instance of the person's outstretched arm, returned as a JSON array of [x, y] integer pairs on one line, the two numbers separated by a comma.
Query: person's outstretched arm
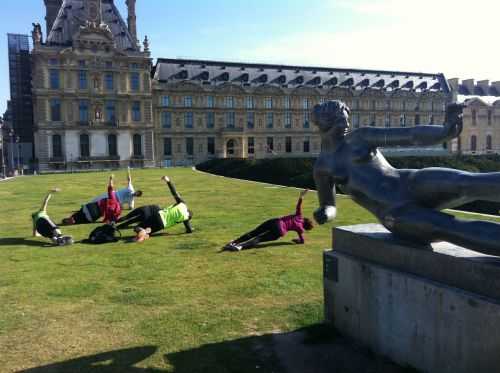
[[171, 186], [298, 208], [111, 187], [418, 135], [130, 188]]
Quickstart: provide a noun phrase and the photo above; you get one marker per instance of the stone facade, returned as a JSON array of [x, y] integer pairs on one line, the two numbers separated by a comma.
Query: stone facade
[[92, 92], [99, 102], [481, 132]]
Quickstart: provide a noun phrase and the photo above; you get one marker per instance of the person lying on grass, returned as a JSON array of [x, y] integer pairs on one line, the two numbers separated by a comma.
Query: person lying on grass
[[45, 227], [152, 218], [91, 212], [125, 195], [273, 229]]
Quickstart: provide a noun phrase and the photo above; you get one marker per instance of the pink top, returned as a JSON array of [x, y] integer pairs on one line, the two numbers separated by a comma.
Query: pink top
[[110, 207], [293, 222]]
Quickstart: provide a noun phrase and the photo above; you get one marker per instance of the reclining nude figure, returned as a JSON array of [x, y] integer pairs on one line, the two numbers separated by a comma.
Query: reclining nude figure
[[407, 202]]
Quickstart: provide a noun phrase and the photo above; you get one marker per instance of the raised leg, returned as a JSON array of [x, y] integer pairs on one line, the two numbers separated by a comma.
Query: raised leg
[[428, 225], [445, 188]]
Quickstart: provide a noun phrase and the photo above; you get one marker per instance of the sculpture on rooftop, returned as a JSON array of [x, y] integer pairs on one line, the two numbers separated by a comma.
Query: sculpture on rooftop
[[407, 202]]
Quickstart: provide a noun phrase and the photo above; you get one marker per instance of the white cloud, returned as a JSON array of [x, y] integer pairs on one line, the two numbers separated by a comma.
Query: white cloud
[[427, 35]]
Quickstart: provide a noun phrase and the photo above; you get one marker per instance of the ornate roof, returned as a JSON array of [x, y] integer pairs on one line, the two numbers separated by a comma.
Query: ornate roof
[[253, 75], [72, 16]]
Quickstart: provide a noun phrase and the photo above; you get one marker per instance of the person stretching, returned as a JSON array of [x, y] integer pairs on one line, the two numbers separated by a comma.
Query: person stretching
[[45, 227], [274, 229], [152, 218], [89, 213], [124, 195]]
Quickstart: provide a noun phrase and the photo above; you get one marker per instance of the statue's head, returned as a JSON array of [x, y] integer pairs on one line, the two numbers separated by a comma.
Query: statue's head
[[331, 115]]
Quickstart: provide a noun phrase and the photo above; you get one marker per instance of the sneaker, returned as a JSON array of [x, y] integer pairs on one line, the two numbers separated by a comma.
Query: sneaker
[[232, 247], [65, 240]]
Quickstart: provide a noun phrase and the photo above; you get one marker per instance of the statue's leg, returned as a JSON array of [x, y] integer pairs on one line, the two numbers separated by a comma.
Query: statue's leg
[[421, 224], [443, 188]]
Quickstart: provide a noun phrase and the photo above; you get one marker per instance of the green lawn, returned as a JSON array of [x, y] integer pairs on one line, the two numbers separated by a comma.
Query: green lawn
[[173, 303]]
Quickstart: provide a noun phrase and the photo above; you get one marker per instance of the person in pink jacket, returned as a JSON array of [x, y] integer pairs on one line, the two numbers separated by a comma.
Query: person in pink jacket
[[274, 229]]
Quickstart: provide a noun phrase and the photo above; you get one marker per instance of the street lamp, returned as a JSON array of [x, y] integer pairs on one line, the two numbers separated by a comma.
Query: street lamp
[[11, 134], [2, 149], [18, 148]]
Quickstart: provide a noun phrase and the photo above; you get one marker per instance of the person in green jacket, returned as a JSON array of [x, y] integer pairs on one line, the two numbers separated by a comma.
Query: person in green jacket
[[45, 227], [152, 218]]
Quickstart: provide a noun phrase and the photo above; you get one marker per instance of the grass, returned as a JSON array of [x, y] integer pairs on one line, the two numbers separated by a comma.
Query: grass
[[172, 303]]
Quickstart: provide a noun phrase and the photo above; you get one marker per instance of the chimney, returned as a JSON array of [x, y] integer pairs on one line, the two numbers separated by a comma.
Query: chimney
[[52, 8], [132, 19], [496, 85], [469, 84], [485, 85], [453, 82]]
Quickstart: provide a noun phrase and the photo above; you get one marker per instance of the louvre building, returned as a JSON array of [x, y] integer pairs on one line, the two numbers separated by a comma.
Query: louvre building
[[100, 102]]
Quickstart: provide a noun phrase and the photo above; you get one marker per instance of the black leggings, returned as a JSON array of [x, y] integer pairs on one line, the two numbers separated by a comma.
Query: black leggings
[[146, 217], [47, 228], [267, 231]]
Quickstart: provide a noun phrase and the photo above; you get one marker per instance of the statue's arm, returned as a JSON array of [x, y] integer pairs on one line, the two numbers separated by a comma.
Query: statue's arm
[[418, 135], [326, 194]]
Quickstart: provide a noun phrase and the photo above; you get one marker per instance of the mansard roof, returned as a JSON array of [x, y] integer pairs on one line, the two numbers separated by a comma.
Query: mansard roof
[[71, 18], [254, 75]]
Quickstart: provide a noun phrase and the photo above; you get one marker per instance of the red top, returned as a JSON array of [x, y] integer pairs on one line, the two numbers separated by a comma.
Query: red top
[[110, 207], [293, 222]]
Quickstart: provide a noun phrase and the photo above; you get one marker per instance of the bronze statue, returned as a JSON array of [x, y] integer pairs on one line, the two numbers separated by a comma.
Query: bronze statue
[[406, 202]]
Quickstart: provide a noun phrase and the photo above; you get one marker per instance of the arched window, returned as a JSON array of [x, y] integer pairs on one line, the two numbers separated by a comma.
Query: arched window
[[488, 142], [84, 145], [230, 147], [473, 143], [112, 148], [137, 142], [459, 144], [56, 146]]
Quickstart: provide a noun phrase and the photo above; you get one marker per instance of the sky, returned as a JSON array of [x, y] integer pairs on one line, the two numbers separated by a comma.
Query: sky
[[456, 37]]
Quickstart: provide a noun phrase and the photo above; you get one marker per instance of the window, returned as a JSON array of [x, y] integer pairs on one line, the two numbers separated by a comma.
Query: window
[[305, 103], [165, 101], [109, 64], [230, 119], [166, 119], [268, 102], [306, 120], [288, 120], [269, 120], [230, 102], [167, 146], [250, 120], [373, 105], [210, 101], [188, 119], [84, 146], [112, 145], [355, 104], [108, 81], [110, 111], [403, 105], [488, 143], [372, 120], [431, 119], [417, 119], [388, 104], [81, 63], [134, 65], [230, 147], [188, 101], [473, 143], [83, 111], [54, 78], [249, 102], [288, 144], [251, 145], [211, 145], [286, 102], [307, 145], [474, 117], [82, 79], [270, 145], [55, 110], [355, 120], [134, 81], [387, 120], [136, 111], [56, 146], [137, 145], [210, 116], [402, 120], [489, 117], [189, 146]]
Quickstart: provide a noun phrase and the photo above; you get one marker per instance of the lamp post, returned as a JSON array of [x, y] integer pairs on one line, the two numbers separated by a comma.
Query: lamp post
[[11, 165], [18, 161], [2, 149]]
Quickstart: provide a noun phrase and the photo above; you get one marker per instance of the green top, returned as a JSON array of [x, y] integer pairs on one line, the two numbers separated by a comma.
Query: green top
[[174, 214], [37, 215]]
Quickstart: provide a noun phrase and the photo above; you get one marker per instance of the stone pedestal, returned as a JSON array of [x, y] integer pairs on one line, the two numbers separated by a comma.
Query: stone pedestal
[[435, 308]]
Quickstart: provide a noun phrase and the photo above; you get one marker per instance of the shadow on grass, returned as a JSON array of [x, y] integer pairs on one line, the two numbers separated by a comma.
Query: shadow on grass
[[119, 361], [21, 241], [262, 246]]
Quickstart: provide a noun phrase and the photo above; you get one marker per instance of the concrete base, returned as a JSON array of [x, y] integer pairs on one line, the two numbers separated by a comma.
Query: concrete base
[[415, 305]]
